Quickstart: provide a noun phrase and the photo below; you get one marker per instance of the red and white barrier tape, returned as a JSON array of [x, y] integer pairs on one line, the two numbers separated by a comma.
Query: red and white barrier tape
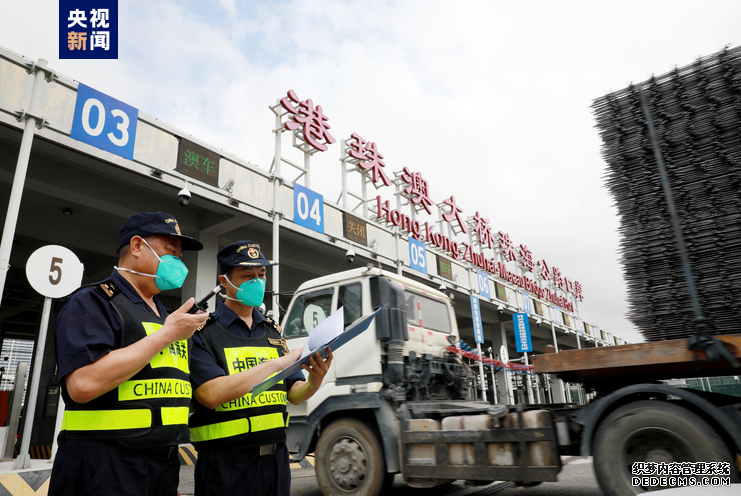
[[513, 367]]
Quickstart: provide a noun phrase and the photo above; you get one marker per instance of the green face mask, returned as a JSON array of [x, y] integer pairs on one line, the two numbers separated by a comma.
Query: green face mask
[[171, 271], [250, 293]]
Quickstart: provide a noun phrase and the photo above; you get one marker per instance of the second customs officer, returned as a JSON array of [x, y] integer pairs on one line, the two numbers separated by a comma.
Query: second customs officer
[[241, 439]]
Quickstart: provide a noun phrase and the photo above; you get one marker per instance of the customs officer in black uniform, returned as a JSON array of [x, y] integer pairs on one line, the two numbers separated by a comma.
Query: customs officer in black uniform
[[124, 369], [241, 439]]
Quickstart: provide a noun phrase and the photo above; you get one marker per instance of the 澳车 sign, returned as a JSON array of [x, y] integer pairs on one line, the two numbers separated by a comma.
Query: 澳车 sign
[[198, 162], [444, 268]]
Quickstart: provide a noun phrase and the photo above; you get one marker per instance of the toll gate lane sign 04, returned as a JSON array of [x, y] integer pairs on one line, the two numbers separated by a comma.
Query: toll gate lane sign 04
[[308, 208], [522, 333]]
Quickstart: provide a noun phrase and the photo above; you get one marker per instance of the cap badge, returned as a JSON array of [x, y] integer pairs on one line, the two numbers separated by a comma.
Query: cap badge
[[177, 229], [253, 253]]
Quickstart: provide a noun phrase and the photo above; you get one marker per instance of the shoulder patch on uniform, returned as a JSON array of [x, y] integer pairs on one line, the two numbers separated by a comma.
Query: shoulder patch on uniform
[[109, 288], [273, 324], [277, 342], [209, 320], [280, 342]]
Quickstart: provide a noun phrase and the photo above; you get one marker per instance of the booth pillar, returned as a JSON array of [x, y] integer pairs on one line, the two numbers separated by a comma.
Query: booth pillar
[[202, 270]]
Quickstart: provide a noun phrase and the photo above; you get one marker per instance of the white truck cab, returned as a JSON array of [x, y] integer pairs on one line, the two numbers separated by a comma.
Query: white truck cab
[[394, 394]]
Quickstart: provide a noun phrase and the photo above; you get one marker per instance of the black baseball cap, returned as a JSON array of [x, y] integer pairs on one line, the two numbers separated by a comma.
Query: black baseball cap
[[243, 254], [148, 223]]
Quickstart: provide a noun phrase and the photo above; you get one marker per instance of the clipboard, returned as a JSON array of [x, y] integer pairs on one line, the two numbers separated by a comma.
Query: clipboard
[[352, 331]]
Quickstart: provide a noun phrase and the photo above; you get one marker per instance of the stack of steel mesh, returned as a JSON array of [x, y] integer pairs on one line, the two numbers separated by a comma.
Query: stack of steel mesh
[[697, 114]]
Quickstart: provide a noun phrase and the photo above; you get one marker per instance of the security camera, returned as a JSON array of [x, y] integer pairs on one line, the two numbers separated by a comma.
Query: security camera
[[350, 255], [500, 309], [443, 287], [537, 323], [184, 197]]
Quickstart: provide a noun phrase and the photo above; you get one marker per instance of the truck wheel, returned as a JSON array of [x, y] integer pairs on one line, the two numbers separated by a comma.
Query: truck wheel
[[652, 431], [349, 460]]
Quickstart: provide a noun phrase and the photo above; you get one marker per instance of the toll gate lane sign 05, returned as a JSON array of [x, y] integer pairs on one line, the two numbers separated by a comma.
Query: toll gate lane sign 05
[[417, 255]]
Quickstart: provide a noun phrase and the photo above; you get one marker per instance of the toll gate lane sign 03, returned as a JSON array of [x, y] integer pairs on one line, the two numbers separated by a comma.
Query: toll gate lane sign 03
[[522, 333], [104, 122], [88, 29]]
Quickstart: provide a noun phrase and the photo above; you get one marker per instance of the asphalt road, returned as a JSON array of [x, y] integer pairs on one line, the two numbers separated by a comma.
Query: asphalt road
[[576, 479]]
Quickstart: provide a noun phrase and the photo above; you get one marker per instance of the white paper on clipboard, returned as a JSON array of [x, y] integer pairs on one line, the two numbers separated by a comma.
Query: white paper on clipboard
[[351, 332]]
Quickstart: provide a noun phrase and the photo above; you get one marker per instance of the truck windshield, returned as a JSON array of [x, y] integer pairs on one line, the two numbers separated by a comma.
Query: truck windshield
[[428, 313], [308, 311]]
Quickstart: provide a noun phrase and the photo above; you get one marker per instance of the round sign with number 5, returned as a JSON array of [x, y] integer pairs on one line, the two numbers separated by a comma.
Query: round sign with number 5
[[54, 271]]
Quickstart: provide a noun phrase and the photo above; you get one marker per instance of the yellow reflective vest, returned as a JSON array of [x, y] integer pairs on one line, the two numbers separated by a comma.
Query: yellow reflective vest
[[245, 421], [150, 409]]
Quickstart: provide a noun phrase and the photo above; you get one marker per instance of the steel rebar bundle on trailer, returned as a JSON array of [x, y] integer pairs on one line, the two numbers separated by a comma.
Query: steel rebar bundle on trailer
[[696, 111]]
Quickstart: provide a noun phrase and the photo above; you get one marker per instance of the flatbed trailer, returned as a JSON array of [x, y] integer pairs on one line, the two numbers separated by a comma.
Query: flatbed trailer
[[636, 418], [660, 360]]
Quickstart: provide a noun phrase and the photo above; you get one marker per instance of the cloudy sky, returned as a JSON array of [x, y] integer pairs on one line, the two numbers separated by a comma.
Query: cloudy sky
[[489, 100]]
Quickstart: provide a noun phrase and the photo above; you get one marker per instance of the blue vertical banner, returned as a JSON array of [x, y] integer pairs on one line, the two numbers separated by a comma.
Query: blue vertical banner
[[527, 304], [478, 329], [417, 255], [522, 333], [557, 315], [88, 29], [483, 280], [104, 122], [308, 208], [580, 327]]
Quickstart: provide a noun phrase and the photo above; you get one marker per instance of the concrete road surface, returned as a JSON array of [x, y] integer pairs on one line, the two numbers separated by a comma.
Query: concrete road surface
[[576, 479]]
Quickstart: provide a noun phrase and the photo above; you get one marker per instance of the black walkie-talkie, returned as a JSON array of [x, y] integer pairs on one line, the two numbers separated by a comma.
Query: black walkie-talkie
[[203, 303]]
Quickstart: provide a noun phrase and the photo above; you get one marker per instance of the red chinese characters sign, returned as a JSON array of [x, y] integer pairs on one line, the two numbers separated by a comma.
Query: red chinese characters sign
[[311, 118], [370, 158], [526, 256], [483, 230], [465, 251], [455, 213], [417, 188]]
